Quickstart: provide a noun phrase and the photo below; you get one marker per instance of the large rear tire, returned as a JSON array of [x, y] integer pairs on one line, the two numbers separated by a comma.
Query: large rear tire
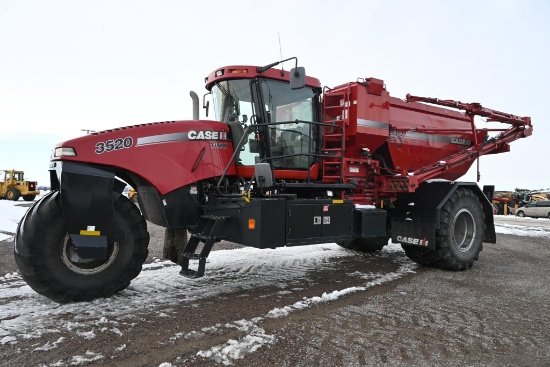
[[460, 237], [48, 262], [368, 245]]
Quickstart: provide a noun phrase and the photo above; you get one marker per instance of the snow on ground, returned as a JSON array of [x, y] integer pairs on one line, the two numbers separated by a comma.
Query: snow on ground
[[10, 215], [526, 227], [159, 286]]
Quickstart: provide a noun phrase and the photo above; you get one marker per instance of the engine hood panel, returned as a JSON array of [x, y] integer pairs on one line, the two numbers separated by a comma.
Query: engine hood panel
[[167, 154]]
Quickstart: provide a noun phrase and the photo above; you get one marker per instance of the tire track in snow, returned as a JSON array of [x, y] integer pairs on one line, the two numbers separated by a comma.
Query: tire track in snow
[[235, 349], [24, 312]]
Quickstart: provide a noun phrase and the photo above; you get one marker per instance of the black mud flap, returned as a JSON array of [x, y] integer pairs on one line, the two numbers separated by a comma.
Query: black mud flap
[[88, 207], [413, 233], [416, 216]]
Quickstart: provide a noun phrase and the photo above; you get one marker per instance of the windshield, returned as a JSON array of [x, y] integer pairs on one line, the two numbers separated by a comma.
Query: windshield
[[232, 100], [288, 112]]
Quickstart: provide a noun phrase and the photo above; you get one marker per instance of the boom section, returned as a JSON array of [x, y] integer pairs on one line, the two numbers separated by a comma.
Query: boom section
[[520, 127]]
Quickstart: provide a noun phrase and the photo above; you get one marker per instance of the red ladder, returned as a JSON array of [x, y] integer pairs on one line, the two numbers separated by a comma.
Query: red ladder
[[336, 105]]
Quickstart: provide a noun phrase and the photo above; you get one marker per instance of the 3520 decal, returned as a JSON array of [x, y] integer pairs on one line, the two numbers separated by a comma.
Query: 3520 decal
[[112, 145]]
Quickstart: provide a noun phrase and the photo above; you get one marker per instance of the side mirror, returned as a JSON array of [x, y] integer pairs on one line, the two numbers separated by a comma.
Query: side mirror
[[297, 77]]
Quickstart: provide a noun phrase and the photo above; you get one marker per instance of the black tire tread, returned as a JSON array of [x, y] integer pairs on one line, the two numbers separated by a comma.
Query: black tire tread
[[443, 256], [448, 261], [30, 250]]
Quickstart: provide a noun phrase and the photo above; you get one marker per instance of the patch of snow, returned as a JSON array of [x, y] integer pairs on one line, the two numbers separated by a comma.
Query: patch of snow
[[8, 340], [86, 334], [237, 349], [87, 357], [49, 346], [11, 216], [121, 348]]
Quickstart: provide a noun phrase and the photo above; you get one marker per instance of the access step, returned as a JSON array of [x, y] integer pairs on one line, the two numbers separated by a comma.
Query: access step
[[207, 231]]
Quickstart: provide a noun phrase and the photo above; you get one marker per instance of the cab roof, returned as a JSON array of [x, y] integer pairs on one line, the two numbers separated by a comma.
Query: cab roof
[[250, 72]]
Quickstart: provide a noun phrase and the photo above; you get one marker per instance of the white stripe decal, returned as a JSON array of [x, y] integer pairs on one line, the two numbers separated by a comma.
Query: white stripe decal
[[161, 139]]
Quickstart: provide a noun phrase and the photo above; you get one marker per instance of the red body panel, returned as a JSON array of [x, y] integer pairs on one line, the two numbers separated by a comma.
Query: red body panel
[[417, 135], [167, 154]]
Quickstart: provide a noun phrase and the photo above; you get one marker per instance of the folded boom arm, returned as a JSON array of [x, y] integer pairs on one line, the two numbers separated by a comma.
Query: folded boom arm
[[520, 128]]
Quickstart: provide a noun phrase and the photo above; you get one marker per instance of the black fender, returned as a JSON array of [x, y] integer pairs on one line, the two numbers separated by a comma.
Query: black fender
[[87, 203], [417, 215]]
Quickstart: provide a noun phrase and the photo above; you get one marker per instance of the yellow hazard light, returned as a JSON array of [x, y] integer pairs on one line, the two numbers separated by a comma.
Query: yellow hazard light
[[238, 71], [252, 223]]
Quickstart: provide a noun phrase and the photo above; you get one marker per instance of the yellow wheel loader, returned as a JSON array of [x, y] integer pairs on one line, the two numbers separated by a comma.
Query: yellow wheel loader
[[14, 186]]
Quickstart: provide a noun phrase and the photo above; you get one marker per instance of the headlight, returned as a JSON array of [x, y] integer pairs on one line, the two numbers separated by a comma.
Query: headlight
[[64, 152]]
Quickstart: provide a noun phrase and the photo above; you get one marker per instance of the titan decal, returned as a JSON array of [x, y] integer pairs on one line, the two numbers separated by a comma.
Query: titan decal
[[218, 145]]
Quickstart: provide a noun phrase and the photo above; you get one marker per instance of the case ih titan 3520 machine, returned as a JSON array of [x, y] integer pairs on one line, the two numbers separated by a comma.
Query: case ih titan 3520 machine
[[285, 163]]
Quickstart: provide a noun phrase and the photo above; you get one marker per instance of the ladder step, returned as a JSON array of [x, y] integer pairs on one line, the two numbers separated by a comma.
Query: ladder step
[[207, 230], [200, 236], [191, 256], [189, 273]]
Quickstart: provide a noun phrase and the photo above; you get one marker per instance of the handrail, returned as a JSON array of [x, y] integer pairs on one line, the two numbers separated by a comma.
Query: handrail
[[309, 154]]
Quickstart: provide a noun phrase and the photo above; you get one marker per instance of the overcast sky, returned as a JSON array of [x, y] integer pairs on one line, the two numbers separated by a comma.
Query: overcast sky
[[72, 65]]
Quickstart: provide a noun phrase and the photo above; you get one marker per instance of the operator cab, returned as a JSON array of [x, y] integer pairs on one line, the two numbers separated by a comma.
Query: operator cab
[[269, 121]]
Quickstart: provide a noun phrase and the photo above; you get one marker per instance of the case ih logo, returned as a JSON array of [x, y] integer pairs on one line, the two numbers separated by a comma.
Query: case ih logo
[[207, 135], [461, 141], [412, 240]]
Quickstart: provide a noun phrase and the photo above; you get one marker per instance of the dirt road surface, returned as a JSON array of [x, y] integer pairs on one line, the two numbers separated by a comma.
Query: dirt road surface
[[344, 309]]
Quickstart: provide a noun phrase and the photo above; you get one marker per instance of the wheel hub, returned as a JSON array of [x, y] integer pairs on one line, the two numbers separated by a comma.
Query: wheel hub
[[464, 230], [79, 265]]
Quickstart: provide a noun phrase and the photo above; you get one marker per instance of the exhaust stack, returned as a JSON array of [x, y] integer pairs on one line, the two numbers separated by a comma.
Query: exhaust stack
[[195, 99]]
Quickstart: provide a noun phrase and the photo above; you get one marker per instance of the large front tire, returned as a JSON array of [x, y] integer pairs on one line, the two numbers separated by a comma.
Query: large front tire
[[48, 262], [460, 237]]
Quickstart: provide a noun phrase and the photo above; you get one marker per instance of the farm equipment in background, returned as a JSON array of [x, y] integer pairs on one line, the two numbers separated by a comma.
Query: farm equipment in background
[[506, 202], [285, 162], [14, 186], [532, 195]]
